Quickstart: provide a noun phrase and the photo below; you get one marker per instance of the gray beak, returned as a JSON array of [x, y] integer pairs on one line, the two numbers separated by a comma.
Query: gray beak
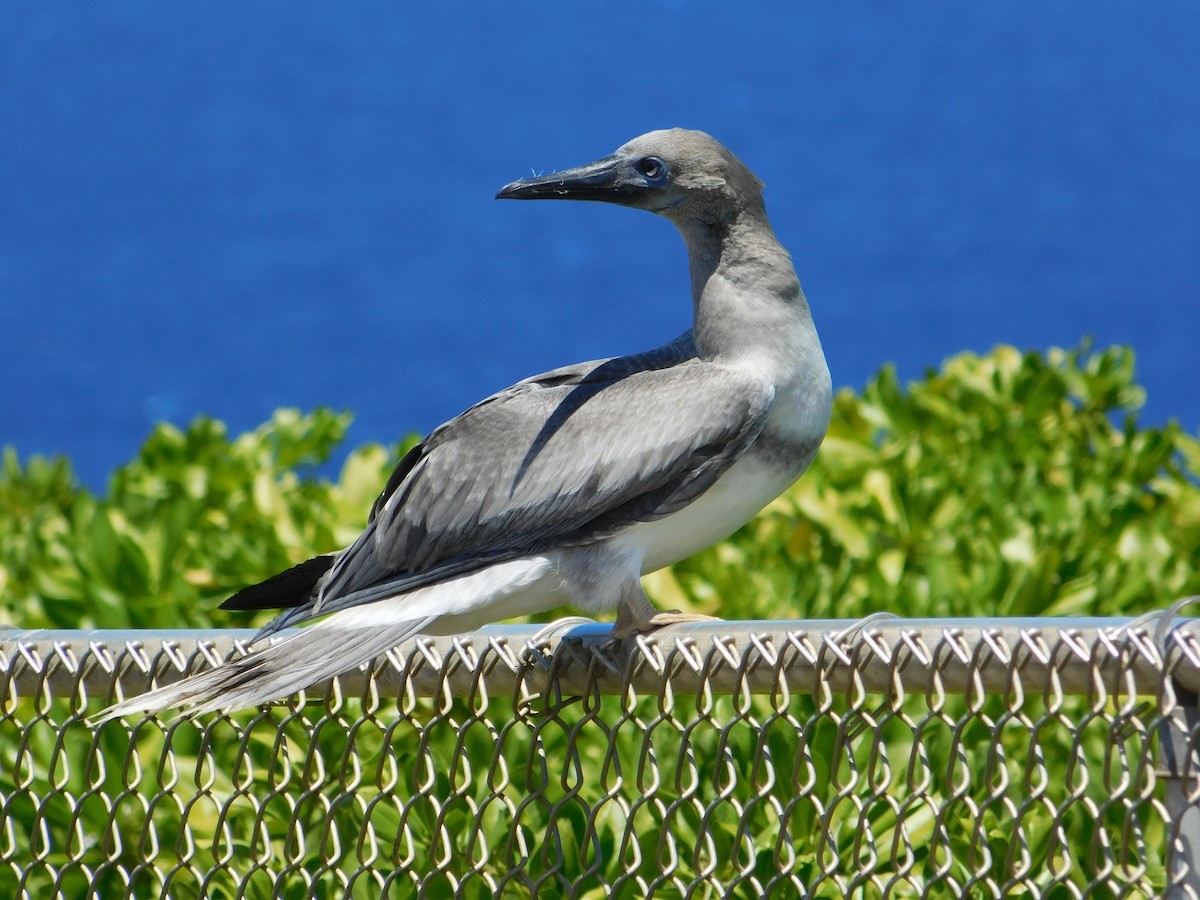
[[609, 179]]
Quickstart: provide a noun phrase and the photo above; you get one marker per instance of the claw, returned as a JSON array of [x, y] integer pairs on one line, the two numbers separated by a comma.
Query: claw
[[635, 615]]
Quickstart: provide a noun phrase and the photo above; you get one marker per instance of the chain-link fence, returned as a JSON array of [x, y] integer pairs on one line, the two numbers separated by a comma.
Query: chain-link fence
[[888, 758]]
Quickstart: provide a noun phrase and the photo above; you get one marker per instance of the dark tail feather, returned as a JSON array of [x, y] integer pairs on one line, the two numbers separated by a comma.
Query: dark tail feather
[[290, 588]]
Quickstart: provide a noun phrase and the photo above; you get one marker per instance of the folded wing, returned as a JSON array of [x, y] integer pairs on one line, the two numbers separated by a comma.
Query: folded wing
[[562, 459]]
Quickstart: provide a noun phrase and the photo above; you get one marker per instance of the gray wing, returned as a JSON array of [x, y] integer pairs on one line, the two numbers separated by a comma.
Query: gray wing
[[562, 459]]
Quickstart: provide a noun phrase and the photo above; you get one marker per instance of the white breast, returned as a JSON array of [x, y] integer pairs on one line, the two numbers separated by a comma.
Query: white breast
[[729, 504], [787, 445]]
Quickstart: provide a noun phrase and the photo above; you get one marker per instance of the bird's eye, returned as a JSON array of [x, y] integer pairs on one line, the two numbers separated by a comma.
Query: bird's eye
[[652, 168]]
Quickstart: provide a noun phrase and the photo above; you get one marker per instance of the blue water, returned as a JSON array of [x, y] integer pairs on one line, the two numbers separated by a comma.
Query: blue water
[[226, 207]]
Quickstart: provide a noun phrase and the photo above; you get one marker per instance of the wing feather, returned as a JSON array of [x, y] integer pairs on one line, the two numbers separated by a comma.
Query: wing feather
[[565, 458]]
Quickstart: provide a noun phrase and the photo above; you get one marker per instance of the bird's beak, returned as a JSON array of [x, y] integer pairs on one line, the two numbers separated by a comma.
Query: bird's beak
[[610, 179]]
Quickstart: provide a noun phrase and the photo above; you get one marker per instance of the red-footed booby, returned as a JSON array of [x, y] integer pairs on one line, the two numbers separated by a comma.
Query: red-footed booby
[[567, 487]]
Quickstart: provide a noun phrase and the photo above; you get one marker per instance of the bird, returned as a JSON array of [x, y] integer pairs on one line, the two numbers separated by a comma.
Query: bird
[[567, 487]]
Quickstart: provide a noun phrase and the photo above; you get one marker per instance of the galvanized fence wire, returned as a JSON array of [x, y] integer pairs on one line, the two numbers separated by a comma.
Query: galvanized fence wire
[[884, 758]]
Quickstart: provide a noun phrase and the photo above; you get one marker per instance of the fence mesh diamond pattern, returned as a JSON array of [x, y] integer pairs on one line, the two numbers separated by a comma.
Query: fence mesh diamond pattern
[[887, 758]]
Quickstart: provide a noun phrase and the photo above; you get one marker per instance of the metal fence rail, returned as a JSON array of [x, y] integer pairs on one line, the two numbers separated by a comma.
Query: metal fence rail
[[886, 758]]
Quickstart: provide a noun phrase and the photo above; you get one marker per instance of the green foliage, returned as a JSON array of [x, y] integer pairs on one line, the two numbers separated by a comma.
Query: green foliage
[[1000, 485], [1004, 484], [190, 520]]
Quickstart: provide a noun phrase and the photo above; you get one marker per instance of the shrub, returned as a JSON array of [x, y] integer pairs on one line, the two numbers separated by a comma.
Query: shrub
[[1007, 484]]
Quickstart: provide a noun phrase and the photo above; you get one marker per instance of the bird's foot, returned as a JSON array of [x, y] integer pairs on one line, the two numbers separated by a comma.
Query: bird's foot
[[547, 637], [559, 628], [635, 620]]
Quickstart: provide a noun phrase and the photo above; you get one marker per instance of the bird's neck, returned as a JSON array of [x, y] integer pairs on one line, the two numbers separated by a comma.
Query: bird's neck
[[745, 294]]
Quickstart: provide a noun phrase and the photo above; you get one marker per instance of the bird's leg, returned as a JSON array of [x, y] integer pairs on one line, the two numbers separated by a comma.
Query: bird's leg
[[636, 615]]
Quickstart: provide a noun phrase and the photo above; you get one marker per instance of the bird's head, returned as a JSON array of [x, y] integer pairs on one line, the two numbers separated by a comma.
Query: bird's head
[[677, 173]]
